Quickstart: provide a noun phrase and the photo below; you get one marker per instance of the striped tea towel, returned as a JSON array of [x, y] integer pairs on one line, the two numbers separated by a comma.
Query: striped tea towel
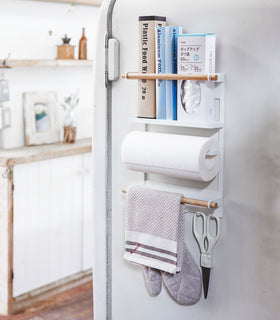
[[154, 228]]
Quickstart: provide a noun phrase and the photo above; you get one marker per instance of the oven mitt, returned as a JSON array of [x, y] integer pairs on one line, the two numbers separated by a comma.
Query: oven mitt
[[185, 286], [153, 280]]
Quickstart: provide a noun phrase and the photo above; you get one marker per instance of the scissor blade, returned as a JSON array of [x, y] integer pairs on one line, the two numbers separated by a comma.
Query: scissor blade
[[205, 280]]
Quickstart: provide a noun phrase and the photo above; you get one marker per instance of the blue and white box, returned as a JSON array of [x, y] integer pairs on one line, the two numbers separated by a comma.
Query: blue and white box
[[196, 53], [196, 99], [171, 33], [160, 68]]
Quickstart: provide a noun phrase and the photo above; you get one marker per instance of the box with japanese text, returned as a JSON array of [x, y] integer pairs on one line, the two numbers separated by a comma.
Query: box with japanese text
[[196, 53], [195, 99]]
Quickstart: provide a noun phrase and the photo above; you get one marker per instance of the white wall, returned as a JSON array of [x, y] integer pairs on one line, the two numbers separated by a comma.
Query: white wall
[[25, 29]]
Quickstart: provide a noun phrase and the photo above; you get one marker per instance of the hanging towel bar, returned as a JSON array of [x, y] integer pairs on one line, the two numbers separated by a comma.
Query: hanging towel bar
[[170, 76], [195, 202]]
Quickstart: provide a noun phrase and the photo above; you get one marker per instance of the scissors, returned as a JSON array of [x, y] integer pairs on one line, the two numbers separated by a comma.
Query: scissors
[[206, 242]]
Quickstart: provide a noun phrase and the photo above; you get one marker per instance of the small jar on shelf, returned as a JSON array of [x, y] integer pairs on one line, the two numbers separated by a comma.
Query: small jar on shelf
[[70, 122]]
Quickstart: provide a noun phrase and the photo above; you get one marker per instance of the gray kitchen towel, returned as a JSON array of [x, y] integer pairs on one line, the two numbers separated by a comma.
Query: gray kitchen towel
[[154, 228]]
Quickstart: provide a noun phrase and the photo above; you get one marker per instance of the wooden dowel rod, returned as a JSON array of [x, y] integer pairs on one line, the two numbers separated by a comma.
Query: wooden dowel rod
[[170, 76], [195, 202]]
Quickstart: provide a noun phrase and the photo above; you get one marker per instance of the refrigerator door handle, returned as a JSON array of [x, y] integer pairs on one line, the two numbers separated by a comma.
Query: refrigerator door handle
[[113, 59]]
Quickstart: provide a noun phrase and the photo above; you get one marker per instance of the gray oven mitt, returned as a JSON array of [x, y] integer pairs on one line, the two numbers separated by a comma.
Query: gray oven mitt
[[153, 280], [185, 286]]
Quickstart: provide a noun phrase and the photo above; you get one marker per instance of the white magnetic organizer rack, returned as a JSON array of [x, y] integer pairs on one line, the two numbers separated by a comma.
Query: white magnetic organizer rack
[[208, 196]]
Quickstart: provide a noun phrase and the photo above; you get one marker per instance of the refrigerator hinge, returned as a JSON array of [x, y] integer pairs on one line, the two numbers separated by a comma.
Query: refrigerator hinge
[[106, 59]]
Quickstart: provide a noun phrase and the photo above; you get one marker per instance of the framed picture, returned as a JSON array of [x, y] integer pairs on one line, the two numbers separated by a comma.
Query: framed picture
[[40, 117]]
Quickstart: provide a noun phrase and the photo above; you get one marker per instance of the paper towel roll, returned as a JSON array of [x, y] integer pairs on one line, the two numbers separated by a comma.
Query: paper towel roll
[[174, 155]]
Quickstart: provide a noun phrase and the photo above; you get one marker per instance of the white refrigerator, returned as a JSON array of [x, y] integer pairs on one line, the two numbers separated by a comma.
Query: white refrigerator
[[245, 279]]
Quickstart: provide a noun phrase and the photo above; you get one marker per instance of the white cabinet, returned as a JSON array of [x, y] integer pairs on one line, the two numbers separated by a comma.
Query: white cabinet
[[52, 226], [87, 231], [45, 222]]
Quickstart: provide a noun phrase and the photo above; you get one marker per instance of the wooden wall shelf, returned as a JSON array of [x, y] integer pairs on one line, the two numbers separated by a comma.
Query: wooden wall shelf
[[49, 63], [75, 2], [11, 157]]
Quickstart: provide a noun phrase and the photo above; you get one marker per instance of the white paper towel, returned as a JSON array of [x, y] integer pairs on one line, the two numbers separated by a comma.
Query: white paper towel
[[175, 155]]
